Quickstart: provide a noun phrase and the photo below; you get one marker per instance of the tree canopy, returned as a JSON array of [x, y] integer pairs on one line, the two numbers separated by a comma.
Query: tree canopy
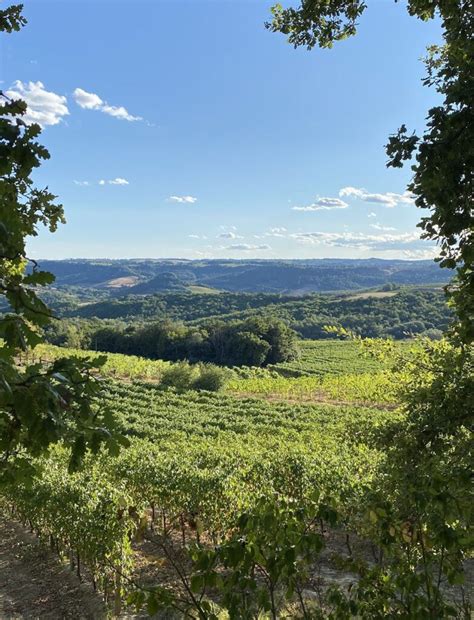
[[442, 157], [39, 404]]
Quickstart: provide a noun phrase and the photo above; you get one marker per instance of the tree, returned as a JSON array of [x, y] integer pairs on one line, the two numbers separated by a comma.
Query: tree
[[443, 167], [421, 512], [39, 404], [247, 349], [282, 339]]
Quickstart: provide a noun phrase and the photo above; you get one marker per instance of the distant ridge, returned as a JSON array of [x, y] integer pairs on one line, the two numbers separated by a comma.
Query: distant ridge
[[294, 277]]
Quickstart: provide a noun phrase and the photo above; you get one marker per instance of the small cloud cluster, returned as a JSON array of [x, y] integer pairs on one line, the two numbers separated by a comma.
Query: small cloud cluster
[[426, 254], [378, 226], [323, 204], [44, 107], [91, 101], [229, 235], [356, 240], [116, 181], [246, 247], [388, 199], [47, 108], [183, 199], [278, 231]]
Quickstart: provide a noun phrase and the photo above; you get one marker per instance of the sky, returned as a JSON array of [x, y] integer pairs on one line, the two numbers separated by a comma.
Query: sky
[[183, 128]]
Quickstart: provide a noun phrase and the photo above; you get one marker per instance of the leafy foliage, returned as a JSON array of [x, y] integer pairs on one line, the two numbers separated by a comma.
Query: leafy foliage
[[264, 562], [39, 405], [443, 180], [317, 23], [399, 315], [11, 19], [254, 342]]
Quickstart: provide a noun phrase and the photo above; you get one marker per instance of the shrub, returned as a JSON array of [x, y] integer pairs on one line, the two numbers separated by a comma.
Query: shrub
[[211, 378], [180, 376]]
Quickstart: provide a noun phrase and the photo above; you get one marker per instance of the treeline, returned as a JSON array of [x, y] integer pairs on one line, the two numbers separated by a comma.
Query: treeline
[[175, 306], [254, 342], [402, 314]]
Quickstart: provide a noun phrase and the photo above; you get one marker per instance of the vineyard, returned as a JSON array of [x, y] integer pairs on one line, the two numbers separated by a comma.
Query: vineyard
[[331, 357], [365, 388], [198, 459], [117, 365], [328, 371]]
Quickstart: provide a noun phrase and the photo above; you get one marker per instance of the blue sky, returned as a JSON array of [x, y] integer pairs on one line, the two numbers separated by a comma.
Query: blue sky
[[185, 129]]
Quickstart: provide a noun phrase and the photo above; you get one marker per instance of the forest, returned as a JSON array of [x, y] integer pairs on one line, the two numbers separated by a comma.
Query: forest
[[397, 314]]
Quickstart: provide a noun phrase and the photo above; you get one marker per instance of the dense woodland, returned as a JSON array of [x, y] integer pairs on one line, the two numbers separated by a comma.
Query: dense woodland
[[253, 342], [114, 324]]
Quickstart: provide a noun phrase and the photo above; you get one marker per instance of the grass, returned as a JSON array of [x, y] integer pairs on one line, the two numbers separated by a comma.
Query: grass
[[203, 290]]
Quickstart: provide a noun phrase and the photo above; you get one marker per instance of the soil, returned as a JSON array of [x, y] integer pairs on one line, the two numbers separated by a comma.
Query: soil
[[35, 584]]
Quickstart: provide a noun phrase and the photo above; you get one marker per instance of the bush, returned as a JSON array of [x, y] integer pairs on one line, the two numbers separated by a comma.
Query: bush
[[432, 333], [180, 376], [211, 378]]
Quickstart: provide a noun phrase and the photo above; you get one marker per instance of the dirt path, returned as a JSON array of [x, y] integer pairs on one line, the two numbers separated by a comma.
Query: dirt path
[[317, 398], [35, 584]]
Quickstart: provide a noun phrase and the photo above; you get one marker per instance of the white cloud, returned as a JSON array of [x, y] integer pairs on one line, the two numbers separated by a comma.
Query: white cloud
[[383, 241], [81, 183], [371, 214], [279, 231], [44, 107], [229, 235], [357, 240], [422, 254], [91, 101], [378, 226], [197, 236], [120, 112], [87, 101], [323, 204], [183, 199], [245, 247], [388, 199], [406, 198], [116, 181]]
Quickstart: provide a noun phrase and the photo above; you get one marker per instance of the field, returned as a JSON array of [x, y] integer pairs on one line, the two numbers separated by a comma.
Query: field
[[329, 357], [327, 371], [317, 358], [197, 459], [312, 434]]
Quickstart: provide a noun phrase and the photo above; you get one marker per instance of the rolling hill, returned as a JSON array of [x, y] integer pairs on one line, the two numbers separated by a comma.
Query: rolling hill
[[291, 277]]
